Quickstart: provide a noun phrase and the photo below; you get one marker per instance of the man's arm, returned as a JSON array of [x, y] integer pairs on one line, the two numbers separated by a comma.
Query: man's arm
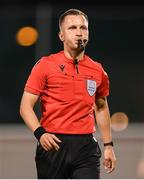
[[103, 122], [28, 101]]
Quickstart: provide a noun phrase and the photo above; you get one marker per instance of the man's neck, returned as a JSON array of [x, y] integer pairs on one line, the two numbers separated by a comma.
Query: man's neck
[[74, 54]]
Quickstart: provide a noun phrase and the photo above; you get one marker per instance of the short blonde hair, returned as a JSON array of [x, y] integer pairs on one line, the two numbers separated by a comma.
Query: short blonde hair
[[71, 12]]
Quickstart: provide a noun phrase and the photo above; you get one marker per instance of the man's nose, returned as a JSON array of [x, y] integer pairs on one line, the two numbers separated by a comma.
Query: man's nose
[[79, 32]]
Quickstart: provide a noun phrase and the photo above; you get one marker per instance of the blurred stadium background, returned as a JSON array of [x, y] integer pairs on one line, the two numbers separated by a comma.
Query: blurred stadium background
[[29, 31]]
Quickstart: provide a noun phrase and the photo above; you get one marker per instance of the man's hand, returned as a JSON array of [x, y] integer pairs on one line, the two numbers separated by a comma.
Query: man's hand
[[109, 159], [49, 141]]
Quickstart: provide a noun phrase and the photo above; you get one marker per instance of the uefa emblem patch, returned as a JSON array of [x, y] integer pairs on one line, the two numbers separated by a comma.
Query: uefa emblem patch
[[91, 87]]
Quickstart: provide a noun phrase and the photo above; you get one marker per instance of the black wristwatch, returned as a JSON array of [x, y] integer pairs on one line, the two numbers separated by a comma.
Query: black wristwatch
[[109, 144]]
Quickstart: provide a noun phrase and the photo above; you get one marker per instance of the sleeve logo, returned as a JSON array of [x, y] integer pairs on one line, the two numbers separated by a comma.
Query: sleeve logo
[[91, 87]]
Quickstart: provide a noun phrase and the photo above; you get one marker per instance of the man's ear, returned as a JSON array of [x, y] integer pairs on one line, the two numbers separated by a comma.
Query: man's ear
[[61, 36]]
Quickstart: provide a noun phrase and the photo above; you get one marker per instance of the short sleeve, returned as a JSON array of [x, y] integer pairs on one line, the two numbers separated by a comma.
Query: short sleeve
[[37, 78], [103, 89]]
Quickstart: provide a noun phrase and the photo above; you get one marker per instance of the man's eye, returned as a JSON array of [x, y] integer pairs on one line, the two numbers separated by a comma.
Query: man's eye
[[72, 27], [83, 27]]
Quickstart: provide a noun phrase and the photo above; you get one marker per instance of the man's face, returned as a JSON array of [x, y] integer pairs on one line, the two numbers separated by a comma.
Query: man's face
[[73, 28]]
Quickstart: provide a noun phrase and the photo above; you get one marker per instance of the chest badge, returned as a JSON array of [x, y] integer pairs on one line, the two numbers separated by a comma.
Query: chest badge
[[62, 67], [91, 87]]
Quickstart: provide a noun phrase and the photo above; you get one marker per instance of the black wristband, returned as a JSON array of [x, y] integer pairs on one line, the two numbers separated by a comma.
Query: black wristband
[[39, 132], [109, 144]]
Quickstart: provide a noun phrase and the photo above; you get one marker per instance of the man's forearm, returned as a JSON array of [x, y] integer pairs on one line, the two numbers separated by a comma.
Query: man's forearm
[[26, 110], [103, 121], [30, 118]]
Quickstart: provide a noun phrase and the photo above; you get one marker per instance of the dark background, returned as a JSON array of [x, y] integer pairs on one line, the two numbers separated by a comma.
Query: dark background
[[116, 40]]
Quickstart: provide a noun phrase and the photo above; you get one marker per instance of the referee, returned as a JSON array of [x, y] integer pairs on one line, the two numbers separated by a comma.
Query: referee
[[69, 84]]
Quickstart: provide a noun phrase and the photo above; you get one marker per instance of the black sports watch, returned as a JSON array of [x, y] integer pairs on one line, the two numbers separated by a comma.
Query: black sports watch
[[109, 143]]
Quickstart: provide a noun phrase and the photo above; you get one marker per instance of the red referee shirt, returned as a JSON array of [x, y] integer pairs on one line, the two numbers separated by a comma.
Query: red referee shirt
[[67, 98]]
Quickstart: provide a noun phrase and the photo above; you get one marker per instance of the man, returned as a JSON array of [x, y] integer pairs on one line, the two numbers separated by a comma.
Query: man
[[69, 84]]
